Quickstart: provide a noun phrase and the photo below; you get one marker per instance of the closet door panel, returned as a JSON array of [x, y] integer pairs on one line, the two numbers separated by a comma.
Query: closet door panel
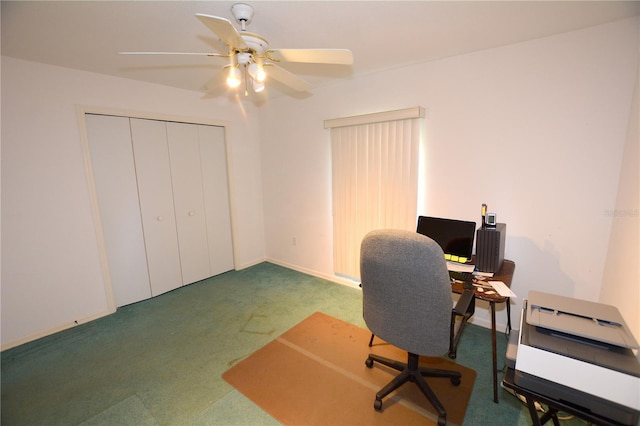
[[151, 154], [216, 197], [117, 193], [186, 175]]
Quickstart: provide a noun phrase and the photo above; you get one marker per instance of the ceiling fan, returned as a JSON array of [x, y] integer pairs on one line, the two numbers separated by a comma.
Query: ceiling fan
[[249, 54]]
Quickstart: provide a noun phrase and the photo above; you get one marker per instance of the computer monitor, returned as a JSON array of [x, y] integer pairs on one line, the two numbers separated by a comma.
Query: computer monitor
[[454, 236]]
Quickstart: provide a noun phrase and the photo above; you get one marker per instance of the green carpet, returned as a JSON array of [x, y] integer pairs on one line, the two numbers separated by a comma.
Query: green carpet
[[160, 361]]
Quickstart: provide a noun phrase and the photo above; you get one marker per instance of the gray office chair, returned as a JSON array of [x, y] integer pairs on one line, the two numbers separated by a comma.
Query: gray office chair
[[407, 302]]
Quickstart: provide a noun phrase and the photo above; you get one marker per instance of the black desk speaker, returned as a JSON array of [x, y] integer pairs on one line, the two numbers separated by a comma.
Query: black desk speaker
[[490, 248]]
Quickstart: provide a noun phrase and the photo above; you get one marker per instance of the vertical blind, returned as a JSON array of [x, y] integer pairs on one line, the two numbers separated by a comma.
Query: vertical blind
[[375, 183]]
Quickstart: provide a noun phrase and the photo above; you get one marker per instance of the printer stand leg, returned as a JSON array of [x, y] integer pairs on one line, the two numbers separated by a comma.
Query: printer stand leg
[[551, 414], [535, 420]]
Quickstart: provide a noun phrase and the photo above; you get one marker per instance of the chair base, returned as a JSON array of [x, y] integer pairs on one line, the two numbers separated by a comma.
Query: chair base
[[411, 372]]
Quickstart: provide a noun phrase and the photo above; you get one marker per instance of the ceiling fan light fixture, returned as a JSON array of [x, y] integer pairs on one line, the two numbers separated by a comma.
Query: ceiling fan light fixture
[[257, 72], [258, 86], [234, 78]]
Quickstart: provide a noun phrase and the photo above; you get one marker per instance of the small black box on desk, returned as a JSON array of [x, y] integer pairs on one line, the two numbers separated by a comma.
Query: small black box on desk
[[490, 247]]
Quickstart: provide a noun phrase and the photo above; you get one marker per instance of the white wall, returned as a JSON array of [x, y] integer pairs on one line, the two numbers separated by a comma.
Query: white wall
[[51, 271], [535, 130]]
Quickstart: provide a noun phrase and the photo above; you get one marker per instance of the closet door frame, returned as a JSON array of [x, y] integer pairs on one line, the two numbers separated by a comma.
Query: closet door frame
[[81, 111]]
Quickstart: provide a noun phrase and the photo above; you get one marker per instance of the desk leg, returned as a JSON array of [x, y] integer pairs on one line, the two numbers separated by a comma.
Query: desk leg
[[508, 315], [492, 307]]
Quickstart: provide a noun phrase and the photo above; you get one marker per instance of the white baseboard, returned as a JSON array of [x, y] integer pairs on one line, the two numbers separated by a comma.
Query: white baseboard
[[52, 330], [250, 264], [482, 322], [328, 277]]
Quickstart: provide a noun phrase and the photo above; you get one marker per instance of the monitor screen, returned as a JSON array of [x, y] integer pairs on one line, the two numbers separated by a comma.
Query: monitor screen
[[454, 236]]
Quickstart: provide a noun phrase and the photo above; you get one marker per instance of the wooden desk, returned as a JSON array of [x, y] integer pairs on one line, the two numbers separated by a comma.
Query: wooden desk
[[505, 274]]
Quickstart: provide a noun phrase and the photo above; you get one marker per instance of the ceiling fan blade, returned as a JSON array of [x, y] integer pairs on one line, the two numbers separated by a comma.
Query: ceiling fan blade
[[173, 53], [224, 29], [287, 78], [316, 56]]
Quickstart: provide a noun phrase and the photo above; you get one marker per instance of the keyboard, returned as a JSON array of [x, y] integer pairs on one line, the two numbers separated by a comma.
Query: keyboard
[[461, 276]]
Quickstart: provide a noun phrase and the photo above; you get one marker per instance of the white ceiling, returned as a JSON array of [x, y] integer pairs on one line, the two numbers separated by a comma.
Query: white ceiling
[[88, 35]]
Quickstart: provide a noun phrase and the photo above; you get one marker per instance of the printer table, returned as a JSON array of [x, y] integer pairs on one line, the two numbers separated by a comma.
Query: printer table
[[554, 406], [505, 274]]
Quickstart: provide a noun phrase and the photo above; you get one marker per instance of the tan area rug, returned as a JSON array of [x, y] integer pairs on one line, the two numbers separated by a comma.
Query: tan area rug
[[315, 374]]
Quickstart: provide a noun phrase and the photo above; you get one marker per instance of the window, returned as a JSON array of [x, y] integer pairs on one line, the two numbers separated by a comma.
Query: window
[[375, 179]]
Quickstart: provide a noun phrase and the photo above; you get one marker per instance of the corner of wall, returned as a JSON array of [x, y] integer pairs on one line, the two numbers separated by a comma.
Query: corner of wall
[[622, 271]]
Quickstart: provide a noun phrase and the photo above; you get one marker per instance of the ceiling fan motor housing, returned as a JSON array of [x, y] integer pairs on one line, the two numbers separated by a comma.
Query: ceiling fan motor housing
[[255, 43]]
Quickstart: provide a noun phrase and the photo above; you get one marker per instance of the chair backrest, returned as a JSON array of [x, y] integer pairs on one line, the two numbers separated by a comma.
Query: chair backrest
[[406, 291]]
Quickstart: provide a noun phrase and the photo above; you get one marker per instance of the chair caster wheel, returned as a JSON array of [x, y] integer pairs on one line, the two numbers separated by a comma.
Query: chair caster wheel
[[442, 421], [455, 381], [378, 405], [369, 363]]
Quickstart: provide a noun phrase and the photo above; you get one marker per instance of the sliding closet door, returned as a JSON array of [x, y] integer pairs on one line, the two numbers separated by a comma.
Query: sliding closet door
[[151, 154], [216, 198], [186, 175], [115, 182], [163, 196]]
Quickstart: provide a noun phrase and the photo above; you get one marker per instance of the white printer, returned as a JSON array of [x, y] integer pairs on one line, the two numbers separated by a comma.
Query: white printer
[[580, 353]]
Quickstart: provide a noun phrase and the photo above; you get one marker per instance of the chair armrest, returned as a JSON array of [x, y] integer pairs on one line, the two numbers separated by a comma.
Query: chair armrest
[[465, 305]]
